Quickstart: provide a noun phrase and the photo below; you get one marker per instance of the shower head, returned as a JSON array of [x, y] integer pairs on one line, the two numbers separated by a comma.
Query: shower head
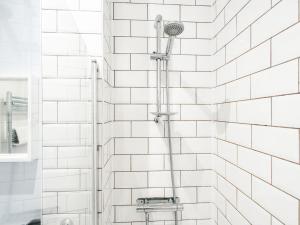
[[173, 29]]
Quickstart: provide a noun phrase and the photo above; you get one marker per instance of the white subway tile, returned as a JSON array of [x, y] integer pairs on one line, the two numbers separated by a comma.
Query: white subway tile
[[49, 112], [227, 151], [74, 112], [183, 128], [227, 112], [196, 13], [197, 47], [130, 179], [281, 142], [147, 162], [239, 178], [169, 12], [58, 4], [204, 161], [226, 73], [253, 212], [130, 112], [285, 46], [73, 67], [285, 175], [183, 63], [121, 95], [204, 128], [197, 211], [204, 96], [131, 146], [273, 22], [143, 95], [75, 202], [198, 79], [60, 44], [49, 66], [239, 45], [238, 90], [130, 45], [239, 133], [251, 12], [122, 129], [197, 178], [254, 111], [60, 134], [182, 96], [226, 34], [91, 44], [91, 5], [121, 28], [61, 180], [234, 216], [49, 21], [49, 157], [278, 80], [228, 190], [255, 60], [162, 179], [79, 22], [147, 129], [233, 8], [190, 30], [161, 145], [182, 162], [65, 89], [121, 61], [121, 163], [281, 205], [255, 163], [196, 112], [142, 28], [121, 196], [130, 11], [142, 62], [285, 111], [130, 78]]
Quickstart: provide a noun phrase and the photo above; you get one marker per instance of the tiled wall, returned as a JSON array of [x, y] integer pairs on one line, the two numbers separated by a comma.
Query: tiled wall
[[257, 65], [141, 163], [72, 36], [234, 83]]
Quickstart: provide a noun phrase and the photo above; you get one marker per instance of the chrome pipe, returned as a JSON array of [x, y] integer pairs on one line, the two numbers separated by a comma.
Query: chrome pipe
[[94, 72], [170, 141], [158, 27]]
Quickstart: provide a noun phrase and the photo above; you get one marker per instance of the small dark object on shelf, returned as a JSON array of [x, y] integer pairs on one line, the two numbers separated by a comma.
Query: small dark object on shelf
[[34, 222]]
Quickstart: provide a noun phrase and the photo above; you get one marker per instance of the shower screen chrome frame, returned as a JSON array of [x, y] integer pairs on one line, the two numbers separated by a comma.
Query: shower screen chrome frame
[[94, 80]]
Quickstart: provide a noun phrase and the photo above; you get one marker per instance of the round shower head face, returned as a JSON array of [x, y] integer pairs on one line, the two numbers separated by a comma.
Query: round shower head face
[[174, 28]]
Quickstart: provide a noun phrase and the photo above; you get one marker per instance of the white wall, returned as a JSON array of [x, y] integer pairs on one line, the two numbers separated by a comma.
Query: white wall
[[257, 99], [72, 36], [141, 165], [235, 85]]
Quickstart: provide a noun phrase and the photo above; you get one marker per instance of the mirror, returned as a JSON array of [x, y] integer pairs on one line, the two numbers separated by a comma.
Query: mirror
[[20, 62]]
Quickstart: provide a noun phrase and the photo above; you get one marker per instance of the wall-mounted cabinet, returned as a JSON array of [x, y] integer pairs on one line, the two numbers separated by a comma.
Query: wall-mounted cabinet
[[20, 63]]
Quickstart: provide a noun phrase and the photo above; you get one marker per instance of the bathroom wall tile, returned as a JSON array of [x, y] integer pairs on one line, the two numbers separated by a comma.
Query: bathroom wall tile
[[281, 142], [275, 201], [130, 11], [196, 13]]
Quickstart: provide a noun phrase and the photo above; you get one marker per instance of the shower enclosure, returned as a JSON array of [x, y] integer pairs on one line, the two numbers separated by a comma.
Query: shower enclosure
[[157, 204]]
